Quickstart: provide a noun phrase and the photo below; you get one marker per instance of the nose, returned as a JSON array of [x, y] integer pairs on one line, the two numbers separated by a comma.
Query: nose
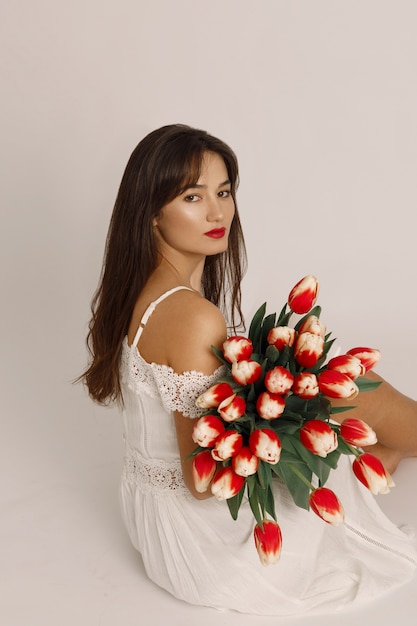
[[215, 211]]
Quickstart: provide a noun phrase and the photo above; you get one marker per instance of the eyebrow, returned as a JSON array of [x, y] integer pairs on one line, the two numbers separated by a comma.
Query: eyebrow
[[226, 182]]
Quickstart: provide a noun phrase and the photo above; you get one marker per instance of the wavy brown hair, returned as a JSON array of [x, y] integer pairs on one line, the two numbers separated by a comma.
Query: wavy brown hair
[[162, 166]]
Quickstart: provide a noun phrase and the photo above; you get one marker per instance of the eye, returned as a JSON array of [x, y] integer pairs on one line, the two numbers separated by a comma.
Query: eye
[[191, 198], [225, 193]]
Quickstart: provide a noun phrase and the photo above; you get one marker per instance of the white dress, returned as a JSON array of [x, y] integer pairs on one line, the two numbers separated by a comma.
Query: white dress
[[197, 552]]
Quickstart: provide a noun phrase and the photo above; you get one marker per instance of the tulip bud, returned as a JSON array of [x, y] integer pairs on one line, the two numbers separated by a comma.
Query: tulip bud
[[337, 385], [270, 405], [305, 385], [312, 324], [357, 433], [318, 437], [203, 470], [326, 505], [232, 408], [347, 364], [268, 542], [214, 396], [281, 336], [308, 349], [227, 445], [369, 357], [246, 372], [371, 473], [278, 380], [265, 444], [237, 349], [206, 430], [304, 295], [226, 484], [245, 463]]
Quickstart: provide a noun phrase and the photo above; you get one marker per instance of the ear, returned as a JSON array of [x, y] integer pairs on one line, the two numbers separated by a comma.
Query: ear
[[155, 222]]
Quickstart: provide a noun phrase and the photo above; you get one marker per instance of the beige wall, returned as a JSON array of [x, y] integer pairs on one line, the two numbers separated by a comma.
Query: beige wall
[[317, 98]]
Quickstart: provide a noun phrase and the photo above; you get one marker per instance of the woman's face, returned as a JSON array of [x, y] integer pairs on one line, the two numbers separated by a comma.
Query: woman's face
[[198, 221]]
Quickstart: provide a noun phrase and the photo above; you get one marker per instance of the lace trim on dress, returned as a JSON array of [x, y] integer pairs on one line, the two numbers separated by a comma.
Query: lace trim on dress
[[153, 475], [178, 392]]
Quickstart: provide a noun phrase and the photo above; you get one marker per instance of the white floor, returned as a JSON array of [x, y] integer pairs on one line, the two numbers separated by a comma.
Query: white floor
[[65, 557]]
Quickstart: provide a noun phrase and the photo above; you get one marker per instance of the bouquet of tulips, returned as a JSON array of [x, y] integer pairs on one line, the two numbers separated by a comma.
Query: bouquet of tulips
[[271, 416]]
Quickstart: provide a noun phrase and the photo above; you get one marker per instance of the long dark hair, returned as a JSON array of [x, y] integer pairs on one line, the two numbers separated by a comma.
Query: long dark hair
[[163, 165]]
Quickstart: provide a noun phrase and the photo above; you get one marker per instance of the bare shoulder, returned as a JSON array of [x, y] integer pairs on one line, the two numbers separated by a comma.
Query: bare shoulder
[[195, 325]]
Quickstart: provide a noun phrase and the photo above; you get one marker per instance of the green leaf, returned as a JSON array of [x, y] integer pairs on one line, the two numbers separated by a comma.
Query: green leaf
[[364, 384], [311, 460], [343, 447], [332, 459], [268, 324], [287, 426], [251, 482], [272, 354], [314, 311], [264, 474], [284, 317], [270, 503], [255, 506], [341, 409], [255, 328], [219, 355], [298, 489], [235, 502]]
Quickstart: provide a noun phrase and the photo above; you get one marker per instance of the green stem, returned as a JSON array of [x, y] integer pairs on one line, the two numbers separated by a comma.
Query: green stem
[[301, 476]]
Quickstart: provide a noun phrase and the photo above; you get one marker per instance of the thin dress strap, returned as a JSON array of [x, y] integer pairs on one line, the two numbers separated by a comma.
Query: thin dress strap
[[151, 308]]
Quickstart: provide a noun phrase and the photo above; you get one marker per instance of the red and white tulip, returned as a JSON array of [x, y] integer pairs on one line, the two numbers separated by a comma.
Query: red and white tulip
[[246, 372], [369, 357], [304, 294], [281, 336], [265, 444], [308, 349], [318, 437], [226, 484], [306, 385], [232, 408], [268, 542], [347, 364], [270, 405], [278, 380], [214, 396], [227, 445], [326, 505], [245, 463], [357, 432], [312, 324], [203, 470], [336, 384], [237, 348], [371, 473], [206, 430]]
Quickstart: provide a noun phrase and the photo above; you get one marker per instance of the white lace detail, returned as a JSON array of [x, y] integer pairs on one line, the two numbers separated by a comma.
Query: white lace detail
[[178, 392], [153, 475]]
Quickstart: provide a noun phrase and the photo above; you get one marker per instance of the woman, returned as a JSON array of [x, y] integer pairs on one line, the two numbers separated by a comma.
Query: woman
[[174, 258]]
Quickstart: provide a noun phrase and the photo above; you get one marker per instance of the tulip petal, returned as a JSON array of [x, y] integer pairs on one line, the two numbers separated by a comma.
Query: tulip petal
[[203, 469], [326, 505], [226, 484], [304, 294], [369, 470], [357, 433], [318, 437], [268, 542]]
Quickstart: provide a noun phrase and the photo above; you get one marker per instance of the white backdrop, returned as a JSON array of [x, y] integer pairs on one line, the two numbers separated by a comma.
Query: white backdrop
[[318, 100]]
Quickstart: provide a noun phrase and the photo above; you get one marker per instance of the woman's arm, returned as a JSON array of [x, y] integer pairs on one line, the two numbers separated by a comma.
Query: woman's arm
[[392, 415], [193, 333]]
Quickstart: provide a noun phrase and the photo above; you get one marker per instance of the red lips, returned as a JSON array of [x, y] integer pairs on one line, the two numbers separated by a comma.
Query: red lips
[[216, 233]]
